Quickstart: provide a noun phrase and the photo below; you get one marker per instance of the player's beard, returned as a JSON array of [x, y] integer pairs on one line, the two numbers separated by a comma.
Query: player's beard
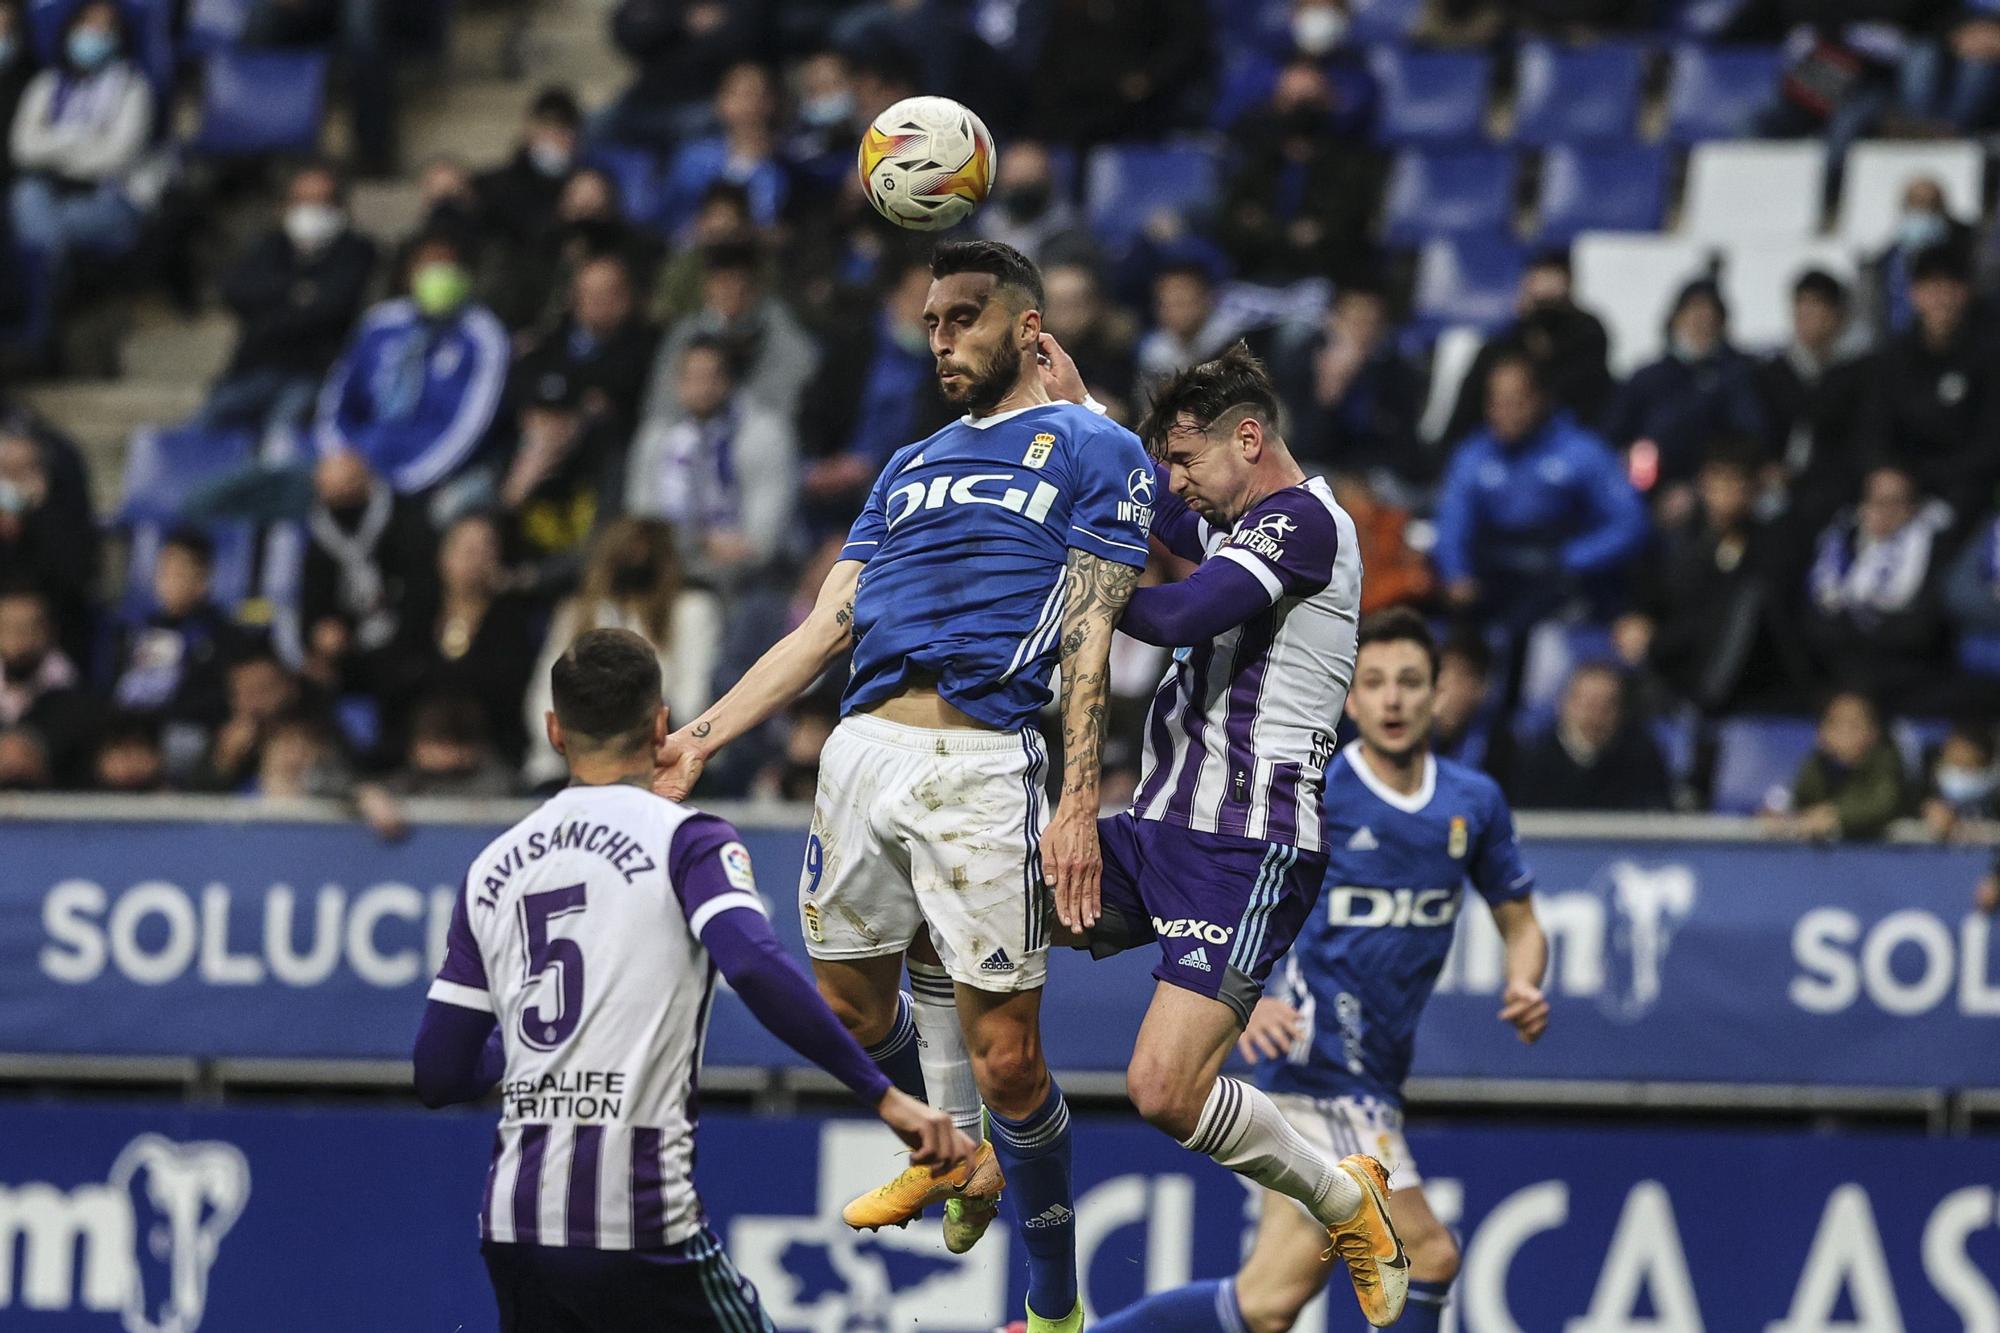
[[985, 383]]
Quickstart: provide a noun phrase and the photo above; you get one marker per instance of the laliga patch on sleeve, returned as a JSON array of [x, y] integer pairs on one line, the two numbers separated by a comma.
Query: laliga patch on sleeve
[[736, 866]]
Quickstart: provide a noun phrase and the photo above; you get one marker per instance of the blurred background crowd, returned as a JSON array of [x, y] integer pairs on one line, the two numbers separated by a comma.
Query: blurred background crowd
[[1650, 344]]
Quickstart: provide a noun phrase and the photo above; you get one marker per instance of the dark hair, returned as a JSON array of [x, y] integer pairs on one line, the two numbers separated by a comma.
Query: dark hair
[[1821, 285], [118, 21], [129, 729], [1554, 257], [1398, 624], [453, 718], [1008, 266], [1472, 649], [1701, 289], [606, 689], [556, 103], [725, 192], [709, 342], [1741, 452], [439, 234], [321, 166], [195, 542], [1863, 697], [1208, 390], [1977, 731], [1186, 268], [1514, 352], [1946, 260], [725, 256]]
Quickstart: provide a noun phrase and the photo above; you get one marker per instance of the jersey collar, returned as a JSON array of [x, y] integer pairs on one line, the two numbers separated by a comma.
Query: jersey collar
[[1409, 805], [981, 423]]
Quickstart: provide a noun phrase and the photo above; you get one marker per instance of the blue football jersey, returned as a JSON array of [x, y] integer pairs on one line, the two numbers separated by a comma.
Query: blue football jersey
[[966, 536], [1363, 966]]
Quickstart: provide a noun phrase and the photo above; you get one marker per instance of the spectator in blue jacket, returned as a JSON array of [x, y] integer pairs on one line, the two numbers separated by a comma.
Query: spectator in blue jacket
[[1701, 389], [1534, 508], [745, 151], [419, 385]]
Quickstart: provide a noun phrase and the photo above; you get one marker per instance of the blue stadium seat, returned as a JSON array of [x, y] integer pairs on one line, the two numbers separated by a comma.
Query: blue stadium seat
[[30, 333], [641, 180], [1449, 191], [151, 23], [164, 466], [1373, 22], [1126, 183], [1431, 96], [1980, 654], [1755, 756], [1467, 280], [1601, 189], [1578, 95], [257, 101], [214, 25], [1678, 735], [1918, 738], [1717, 92]]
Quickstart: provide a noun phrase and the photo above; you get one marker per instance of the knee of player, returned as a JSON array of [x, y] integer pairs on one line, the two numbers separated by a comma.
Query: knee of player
[[1274, 1306], [1432, 1251], [1011, 1075], [1161, 1099], [865, 1025]]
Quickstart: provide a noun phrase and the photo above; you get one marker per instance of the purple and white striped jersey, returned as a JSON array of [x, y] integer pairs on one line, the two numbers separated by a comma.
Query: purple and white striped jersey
[[1242, 727], [580, 930]]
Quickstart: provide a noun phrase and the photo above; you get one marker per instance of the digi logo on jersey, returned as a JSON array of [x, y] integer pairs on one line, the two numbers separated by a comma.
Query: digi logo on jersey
[[1138, 509], [1352, 906], [979, 488], [140, 1244], [1266, 537]]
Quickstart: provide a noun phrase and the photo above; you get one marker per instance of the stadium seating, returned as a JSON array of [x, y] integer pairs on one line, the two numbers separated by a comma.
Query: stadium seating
[[1448, 191], [1629, 281], [1431, 96], [1754, 189], [1451, 360], [164, 467], [1584, 95], [28, 336], [255, 101], [1755, 757], [1702, 19], [149, 21], [214, 25], [1125, 183], [1601, 189], [1876, 173], [1375, 21], [1717, 92], [641, 182], [1917, 738], [1467, 280]]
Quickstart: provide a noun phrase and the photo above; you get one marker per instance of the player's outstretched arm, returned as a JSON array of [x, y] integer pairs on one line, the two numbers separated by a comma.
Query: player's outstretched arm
[[1523, 1003], [1098, 590], [781, 675]]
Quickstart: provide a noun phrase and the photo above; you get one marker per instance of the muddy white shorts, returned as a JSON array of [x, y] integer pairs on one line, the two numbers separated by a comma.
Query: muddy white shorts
[[914, 827], [1338, 1126]]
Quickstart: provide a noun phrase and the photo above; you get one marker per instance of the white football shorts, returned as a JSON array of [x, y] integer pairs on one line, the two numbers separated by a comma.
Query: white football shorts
[[914, 827], [1338, 1126]]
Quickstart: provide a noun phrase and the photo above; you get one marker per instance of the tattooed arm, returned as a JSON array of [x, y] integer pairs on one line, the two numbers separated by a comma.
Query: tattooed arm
[[1095, 596], [781, 675]]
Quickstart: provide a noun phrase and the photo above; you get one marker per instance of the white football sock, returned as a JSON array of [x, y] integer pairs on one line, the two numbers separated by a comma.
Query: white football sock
[[948, 1081], [1243, 1130]]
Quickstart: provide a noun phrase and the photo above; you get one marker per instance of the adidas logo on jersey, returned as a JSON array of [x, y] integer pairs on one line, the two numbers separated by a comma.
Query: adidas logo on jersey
[[997, 961], [1196, 959], [1363, 840], [1054, 1215]]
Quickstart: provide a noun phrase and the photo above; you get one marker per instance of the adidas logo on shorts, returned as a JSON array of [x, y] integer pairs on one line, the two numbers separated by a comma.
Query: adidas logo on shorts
[[1052, 1216], [1196, 959], [997, 961]]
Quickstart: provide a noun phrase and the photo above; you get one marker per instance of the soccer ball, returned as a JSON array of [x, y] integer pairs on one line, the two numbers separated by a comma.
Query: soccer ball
[[927, 162]]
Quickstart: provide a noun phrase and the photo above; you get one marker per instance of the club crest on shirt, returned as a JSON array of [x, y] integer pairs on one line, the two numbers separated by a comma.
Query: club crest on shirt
[[811, 914], [1266, 537], [1456, 844], [1039, 450]]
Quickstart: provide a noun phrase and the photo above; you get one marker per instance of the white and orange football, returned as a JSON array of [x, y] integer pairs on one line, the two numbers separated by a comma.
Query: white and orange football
[[927, 162]]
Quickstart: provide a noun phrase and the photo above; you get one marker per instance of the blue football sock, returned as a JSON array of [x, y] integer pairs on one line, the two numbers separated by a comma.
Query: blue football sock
[[897, 1055], [1425, 1311], [1035, 1153], [1199, 1307]]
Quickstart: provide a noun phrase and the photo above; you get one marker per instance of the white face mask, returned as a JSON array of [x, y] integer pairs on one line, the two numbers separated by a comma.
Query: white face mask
[[1318, 30], [314, 226], [549, 158], [1965, 786]]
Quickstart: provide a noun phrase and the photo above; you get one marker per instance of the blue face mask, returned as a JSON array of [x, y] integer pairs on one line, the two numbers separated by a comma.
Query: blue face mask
[[8, 48], [1921, 229], [90, 48]]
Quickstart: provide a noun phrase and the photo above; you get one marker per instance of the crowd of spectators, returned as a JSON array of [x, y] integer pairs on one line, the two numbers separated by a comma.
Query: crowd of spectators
[[566, 400]]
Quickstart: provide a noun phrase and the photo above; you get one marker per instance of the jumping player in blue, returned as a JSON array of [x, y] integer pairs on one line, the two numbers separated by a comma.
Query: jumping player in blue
[[1006, 541], [1404, 831]]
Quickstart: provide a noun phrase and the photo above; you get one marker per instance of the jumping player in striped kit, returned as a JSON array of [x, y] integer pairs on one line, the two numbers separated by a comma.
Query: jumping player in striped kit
[[579, 967]]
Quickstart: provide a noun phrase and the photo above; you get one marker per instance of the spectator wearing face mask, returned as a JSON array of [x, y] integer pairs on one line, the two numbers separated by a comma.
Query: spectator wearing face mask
[[1951, 77], [1852, 784], [1303, 202], [296, 294], [1701, 389], [519, 197], [1565, 338], [724, 472], [1028, 213], [79, 145], [422, 379], [41, 691], [744, 152], [633, 581], [1934, 403], [1593, 758], [1964, 784], [1924, 224], [1874, 621], [820, 146]]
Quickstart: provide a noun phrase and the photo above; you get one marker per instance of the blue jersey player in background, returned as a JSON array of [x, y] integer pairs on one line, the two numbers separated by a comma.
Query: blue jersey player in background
[[1004, 543], [1405, 832]]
